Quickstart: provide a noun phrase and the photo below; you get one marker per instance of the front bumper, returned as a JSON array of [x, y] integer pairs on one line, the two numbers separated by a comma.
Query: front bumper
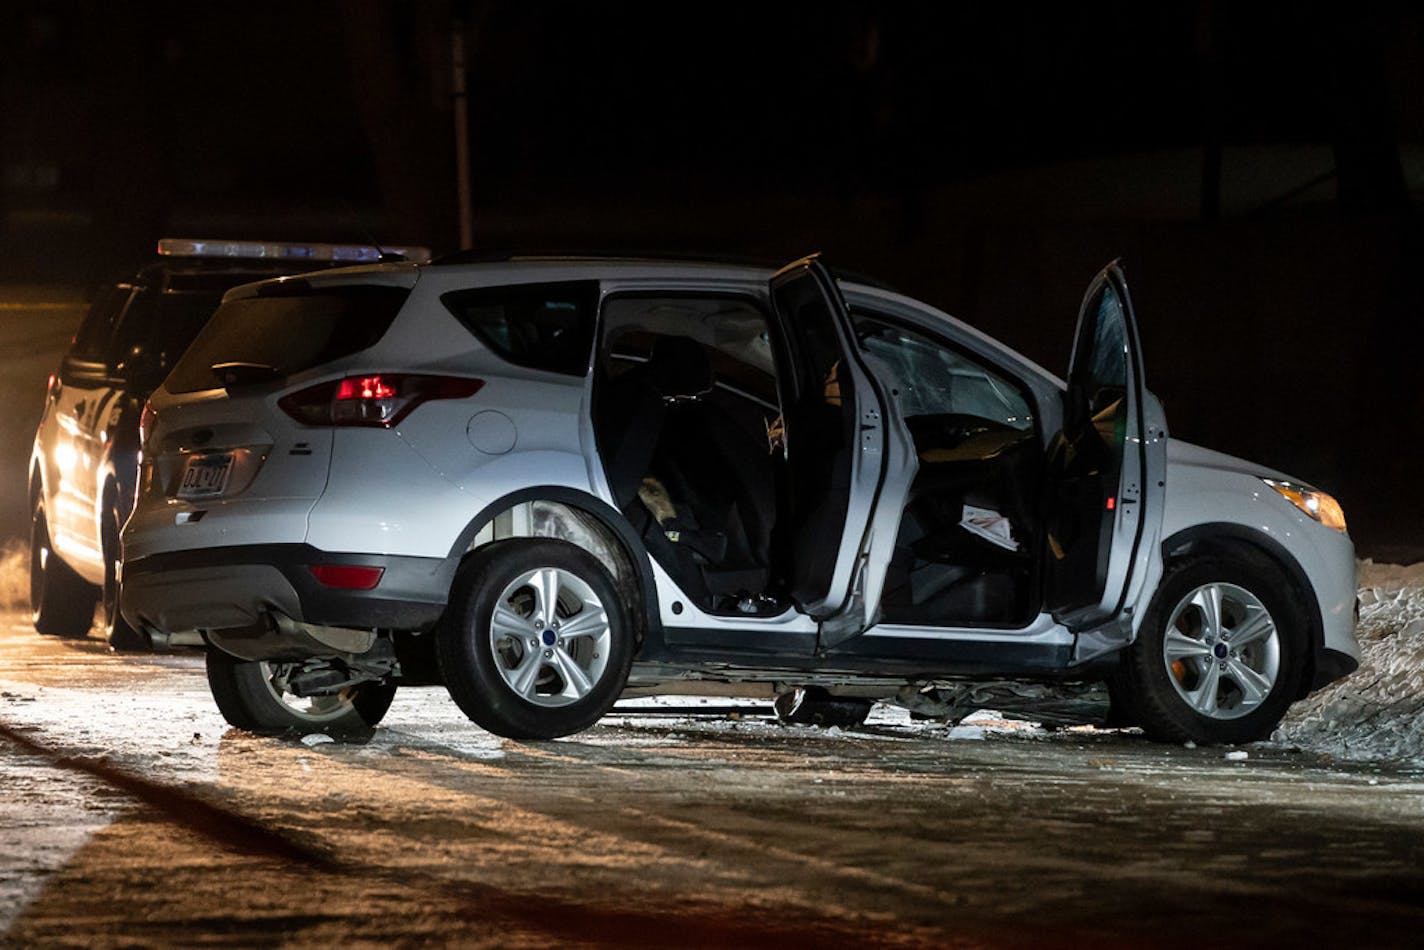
[[232, 587]]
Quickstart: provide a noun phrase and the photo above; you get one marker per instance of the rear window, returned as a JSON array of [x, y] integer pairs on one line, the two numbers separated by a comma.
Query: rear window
[[542, 326], [290, 330]]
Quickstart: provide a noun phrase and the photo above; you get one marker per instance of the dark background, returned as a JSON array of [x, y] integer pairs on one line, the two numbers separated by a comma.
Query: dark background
[[1257, 166]]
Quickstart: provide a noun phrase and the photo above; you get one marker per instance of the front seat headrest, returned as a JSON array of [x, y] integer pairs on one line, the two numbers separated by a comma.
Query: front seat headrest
[[679, 368]]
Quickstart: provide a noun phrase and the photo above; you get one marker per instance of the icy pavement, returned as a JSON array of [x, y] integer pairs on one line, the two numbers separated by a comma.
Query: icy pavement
[[679, 821], [1377, 713]]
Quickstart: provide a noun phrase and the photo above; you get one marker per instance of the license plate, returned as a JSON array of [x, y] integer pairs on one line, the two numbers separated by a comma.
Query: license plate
[[205, 475]]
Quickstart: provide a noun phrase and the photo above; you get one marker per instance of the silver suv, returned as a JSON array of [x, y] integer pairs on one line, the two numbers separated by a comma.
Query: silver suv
[[540, 482]]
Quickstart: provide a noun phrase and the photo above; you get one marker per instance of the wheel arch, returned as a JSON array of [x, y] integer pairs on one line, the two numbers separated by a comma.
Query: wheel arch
[[36, 483], [631, 567], [1234, 540]]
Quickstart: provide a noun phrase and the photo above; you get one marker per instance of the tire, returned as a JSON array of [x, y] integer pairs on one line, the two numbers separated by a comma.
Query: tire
[[1188, 678], [61, 602], [250, 697], [513, 671], [813, 706], [121, 636]]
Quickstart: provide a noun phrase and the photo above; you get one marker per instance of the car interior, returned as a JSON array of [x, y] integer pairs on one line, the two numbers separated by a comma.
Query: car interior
[[685, 396], [967, 551], [684, 393]]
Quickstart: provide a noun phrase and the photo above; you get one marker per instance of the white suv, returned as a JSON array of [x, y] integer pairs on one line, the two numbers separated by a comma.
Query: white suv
[[541, 481]]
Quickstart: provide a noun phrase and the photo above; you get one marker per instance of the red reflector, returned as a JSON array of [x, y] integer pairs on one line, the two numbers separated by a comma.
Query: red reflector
[[1112, 502], [346, 576]]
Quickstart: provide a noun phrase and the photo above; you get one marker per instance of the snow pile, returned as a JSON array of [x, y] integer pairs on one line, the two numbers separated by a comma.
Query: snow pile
[[14, 576], [1378, 711]]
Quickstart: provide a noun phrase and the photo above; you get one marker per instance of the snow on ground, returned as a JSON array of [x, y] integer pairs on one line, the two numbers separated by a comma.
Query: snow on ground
[[1375, 714], [1378, 711]]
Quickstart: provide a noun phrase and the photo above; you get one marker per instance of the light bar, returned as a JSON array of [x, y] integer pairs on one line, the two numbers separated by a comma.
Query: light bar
[[288, 250]]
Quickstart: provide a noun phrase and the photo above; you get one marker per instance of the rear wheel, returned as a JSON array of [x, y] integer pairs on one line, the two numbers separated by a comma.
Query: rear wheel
[[61, 602], [537, 642], [253, 695], [117, 631], [1221, 654]]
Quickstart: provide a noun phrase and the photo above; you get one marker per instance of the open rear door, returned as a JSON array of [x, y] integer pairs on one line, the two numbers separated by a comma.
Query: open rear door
[[836, 429], [1100, 496]]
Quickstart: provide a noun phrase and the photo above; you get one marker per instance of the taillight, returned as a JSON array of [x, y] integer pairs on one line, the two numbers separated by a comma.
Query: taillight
[[378, 400], [146, 420]]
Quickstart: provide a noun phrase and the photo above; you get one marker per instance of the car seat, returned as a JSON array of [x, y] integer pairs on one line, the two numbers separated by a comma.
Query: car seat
[[712, 518]]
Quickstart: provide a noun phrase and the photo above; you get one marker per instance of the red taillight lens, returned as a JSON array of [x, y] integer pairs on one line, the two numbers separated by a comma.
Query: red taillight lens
[[379, 400], [346, 576], [146, 420]]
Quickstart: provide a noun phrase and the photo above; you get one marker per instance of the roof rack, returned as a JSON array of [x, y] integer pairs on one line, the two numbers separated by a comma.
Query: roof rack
[[505, 255], [291, 251]]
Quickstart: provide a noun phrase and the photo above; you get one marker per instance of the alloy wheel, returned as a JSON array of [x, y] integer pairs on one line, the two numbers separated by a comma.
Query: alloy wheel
[[1222, 651], [549, 634]]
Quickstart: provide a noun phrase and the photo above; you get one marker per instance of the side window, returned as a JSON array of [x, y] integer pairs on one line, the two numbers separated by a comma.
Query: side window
[[938, 381], [1104, 378], [1109, 361], [541, 326], [91, 343]]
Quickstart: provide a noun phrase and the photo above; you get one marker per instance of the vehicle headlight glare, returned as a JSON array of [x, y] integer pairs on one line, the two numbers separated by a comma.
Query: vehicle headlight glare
[[1317, 505]]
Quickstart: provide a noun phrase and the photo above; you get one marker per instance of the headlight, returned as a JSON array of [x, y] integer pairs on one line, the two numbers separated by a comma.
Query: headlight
[[1318, 505]]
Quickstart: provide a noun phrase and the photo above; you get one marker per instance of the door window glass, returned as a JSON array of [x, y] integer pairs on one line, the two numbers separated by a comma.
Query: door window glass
[[935, 380], [1104, 377], [1108, 367]]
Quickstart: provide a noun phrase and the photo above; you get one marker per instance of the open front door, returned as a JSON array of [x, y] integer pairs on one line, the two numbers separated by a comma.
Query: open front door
[[1099, 493], [835, 431]]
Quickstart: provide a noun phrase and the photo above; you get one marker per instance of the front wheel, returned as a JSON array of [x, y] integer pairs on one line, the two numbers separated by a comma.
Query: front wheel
[[1220, 656], [536, 642], [253, 695]]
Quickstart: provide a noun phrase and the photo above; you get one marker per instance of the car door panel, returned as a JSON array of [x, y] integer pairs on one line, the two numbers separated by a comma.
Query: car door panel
[[839, 451], [1102, 498]]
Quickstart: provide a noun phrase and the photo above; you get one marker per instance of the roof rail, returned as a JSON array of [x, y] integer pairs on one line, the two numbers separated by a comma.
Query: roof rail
[[504, 255]]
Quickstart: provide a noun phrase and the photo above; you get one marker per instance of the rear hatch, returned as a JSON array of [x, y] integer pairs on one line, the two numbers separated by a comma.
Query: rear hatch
[[223, 463]]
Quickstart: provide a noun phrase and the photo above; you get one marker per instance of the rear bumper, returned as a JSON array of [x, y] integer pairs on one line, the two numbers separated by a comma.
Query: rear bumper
[[229, 587]]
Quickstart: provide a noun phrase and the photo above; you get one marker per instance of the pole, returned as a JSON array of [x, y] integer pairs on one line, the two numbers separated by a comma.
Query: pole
[[462, 132]]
